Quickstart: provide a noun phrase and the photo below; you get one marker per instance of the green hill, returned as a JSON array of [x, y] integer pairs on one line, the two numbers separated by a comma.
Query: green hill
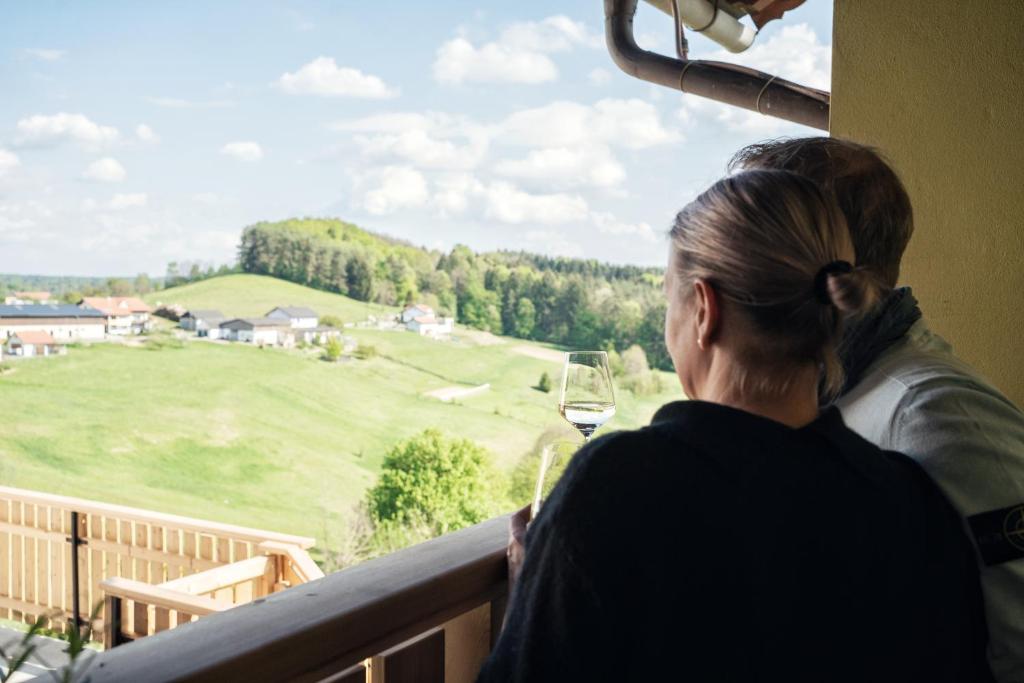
[[246, 295], [270, 438]]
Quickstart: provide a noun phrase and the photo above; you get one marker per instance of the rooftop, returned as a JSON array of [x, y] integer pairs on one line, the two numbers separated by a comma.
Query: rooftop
[[117, 305], [205, 314], [255, 322], [35, 337], [49, 311], [296, 311]]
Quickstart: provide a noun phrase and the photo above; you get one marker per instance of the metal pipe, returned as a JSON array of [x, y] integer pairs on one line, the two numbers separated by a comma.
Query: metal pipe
[[729, 83]]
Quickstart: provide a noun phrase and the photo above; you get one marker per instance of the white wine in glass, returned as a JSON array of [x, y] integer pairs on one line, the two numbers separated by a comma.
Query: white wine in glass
[[587, 400]]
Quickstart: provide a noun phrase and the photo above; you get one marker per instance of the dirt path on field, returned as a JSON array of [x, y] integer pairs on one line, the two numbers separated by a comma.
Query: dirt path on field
[[449, 394], [539, 352]]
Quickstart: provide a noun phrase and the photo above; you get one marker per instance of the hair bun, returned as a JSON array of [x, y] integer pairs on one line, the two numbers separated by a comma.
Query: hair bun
[[851, 290]]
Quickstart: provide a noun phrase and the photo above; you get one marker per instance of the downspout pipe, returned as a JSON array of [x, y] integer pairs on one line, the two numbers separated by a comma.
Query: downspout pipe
[[728, 83]]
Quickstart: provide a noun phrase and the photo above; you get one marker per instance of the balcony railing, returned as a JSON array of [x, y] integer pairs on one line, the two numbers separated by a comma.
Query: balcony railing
[[428, 614], [156, 570]]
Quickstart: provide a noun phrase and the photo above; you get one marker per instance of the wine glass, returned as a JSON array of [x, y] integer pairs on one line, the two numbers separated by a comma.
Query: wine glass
[[587, 400]]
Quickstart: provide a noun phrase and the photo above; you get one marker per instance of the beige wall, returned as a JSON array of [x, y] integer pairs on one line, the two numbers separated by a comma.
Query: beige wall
[[939, 87]]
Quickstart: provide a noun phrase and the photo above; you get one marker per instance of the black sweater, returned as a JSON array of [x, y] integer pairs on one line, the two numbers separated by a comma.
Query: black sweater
[[717, 545]]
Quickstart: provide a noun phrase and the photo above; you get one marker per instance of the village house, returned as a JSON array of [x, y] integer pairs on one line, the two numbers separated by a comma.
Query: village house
[[422, 320], [204, 322], [298, 317], [27, 298], [260, 331], [32, 343], [64, 322], [125, 314]]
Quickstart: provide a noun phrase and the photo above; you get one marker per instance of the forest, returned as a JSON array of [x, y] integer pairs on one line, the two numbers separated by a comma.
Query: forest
[[574, 302]]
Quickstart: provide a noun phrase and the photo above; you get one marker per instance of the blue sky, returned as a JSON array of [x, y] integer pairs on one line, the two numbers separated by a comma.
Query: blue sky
[[133, 134]]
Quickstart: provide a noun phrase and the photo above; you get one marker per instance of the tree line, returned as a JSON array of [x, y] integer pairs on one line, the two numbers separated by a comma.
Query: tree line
[[575, 302]]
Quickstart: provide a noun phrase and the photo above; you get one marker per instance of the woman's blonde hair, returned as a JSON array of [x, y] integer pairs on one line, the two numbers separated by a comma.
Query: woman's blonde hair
[[775, 250]]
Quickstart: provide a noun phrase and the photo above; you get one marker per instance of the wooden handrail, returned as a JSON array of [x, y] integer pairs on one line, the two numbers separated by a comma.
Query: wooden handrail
[[304, 565], [221, 577], [149, 594], [122, 511], [327, 625]]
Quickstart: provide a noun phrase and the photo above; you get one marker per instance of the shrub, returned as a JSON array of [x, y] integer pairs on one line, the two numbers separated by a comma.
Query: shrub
[[332, 321], [544, 384], [333, 349], [365, 352], [435, 483]]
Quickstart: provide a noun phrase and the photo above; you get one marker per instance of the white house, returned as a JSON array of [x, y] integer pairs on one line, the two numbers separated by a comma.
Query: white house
[[421, 320], [63, 322], [204, 322], [32, 343], [298, 317], [125, 314], [261, 331], [418, 311]]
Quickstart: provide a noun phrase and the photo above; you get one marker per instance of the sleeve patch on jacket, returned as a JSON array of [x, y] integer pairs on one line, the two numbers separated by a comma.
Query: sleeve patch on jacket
[[999, 534]]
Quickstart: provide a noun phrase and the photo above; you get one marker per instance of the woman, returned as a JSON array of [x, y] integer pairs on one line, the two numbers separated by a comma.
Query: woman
[[744, 535]]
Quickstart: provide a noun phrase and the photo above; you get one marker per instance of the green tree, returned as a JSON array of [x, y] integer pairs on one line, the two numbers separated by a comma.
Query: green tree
[[332, 321], [359, 279], [333, 349], [525, 319], [118, 286], [142, 284], [545, 383], [432, 480]]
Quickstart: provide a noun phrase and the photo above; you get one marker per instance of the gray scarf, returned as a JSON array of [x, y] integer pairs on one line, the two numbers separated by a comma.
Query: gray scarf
[[866, 338]]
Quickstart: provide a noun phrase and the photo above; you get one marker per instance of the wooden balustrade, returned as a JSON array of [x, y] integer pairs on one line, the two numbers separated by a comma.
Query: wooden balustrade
[[428, 614], [118, 541], [133, 609]]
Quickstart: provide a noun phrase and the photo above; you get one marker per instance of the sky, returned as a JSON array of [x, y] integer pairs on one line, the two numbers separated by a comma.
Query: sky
[[134, 134]]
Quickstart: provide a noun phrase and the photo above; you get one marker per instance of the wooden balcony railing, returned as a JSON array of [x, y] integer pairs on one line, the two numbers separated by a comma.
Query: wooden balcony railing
[[37, 573], [133, 609], [428, 614]]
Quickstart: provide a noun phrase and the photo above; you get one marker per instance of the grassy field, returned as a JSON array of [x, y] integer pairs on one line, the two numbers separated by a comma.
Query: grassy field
[[270, 438], [249, 296]]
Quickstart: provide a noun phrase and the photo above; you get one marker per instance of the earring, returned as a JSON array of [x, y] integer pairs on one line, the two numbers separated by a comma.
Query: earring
[[700, 343]]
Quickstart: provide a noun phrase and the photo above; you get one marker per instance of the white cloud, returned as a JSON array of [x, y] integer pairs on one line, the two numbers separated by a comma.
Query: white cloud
[[207, 198], [552, 242], [105, 170], [120, 202], [453, 193], [520, 55], [599, 76], [506, 203], [243, 151], [179, 103], [41, 130], [8, 160], [324, 77], [607, 224], [566, 167], [146, 134], [431, 140], [632, 123], [395, 188], [45, 55]]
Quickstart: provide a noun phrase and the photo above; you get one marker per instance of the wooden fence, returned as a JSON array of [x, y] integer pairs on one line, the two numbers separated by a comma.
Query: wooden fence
[[425, 614], [142, 547]]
